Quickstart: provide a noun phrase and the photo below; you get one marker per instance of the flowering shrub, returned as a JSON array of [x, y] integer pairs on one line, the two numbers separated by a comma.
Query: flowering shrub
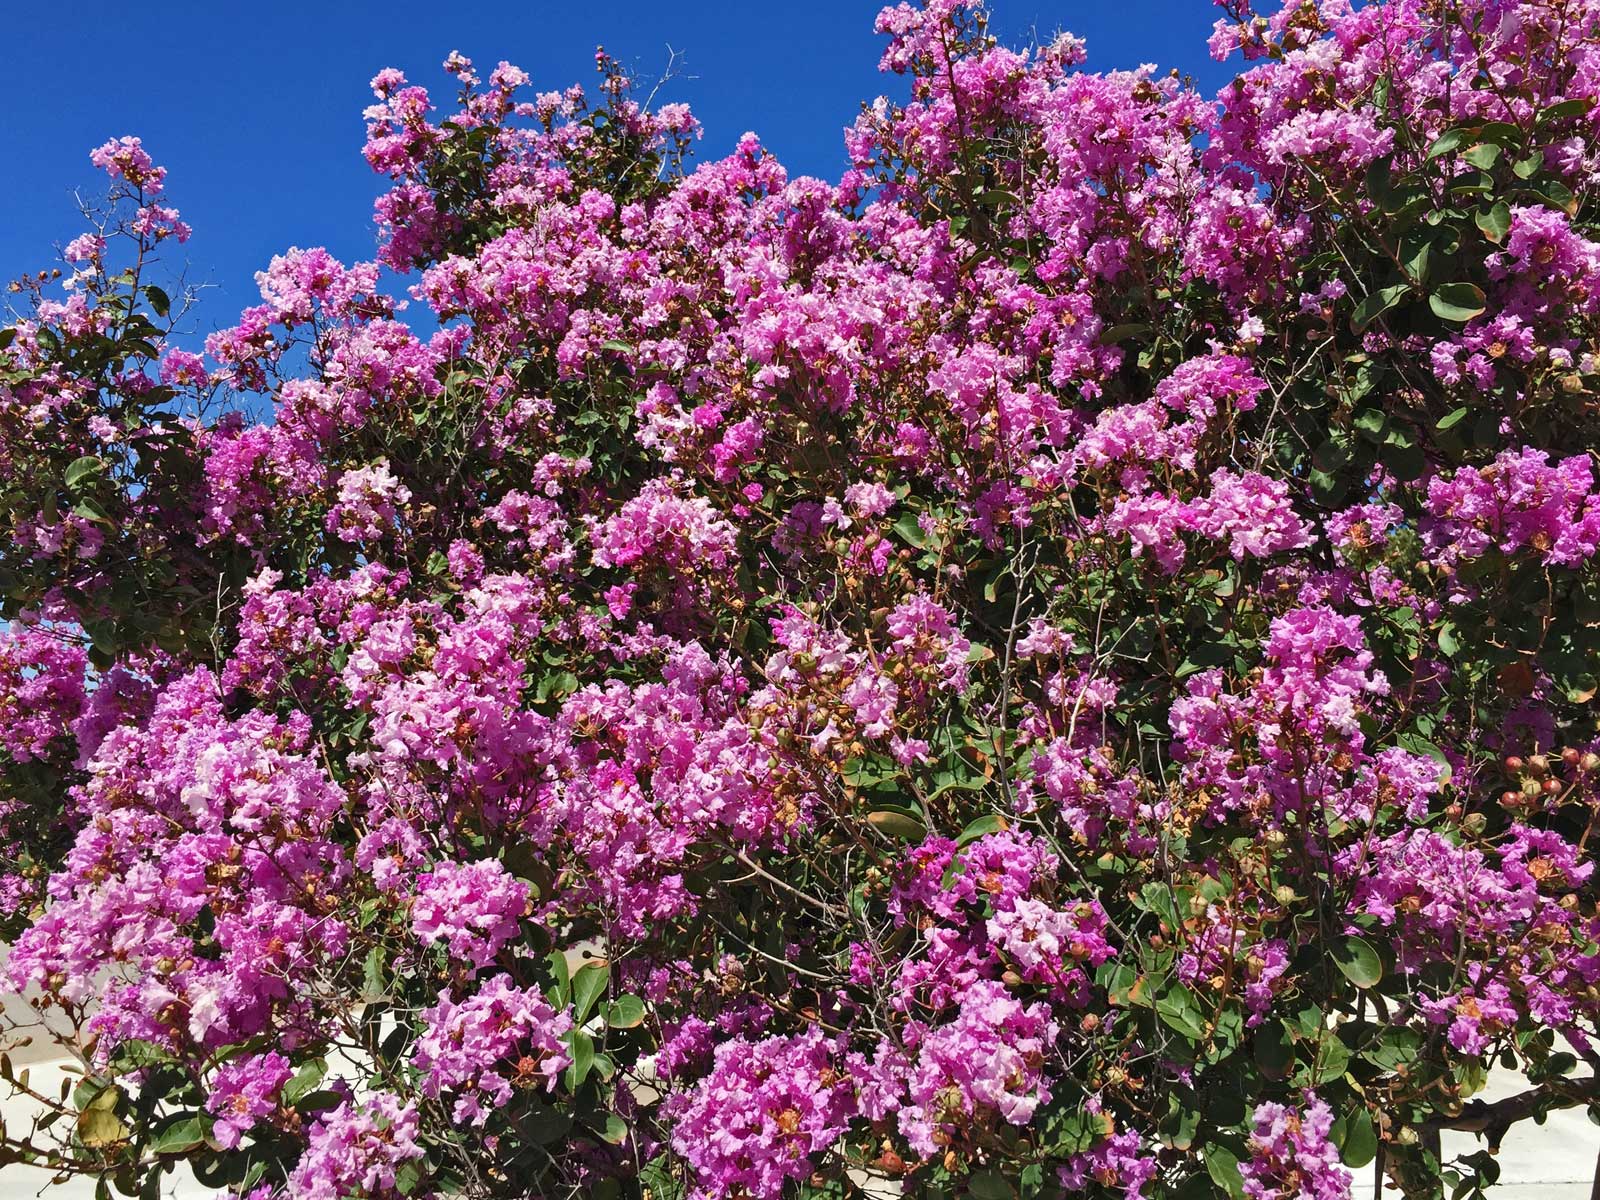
[[1064, 662]]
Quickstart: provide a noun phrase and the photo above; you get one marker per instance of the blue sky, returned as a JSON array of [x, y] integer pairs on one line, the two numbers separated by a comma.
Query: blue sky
[[256, 108]]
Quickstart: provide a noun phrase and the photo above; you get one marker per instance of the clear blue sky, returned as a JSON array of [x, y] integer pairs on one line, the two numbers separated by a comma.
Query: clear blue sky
[[256, 108]]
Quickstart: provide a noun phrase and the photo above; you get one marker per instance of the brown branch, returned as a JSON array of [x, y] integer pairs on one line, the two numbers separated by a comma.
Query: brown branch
[[1495, 1119]]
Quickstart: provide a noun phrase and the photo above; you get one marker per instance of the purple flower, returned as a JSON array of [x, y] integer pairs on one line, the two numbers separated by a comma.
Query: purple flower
[[474, 908]]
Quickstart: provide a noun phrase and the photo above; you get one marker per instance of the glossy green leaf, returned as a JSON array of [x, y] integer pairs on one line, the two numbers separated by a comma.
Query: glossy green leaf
[[896, 823], [625, 1012], [1494, 222], [1375, 305], [81, 470], [1359, 962], [180, 1134], [981, 827], [1357, 1140], [1458, 302], [589, 983], [581, 1047], [1223, 1167]]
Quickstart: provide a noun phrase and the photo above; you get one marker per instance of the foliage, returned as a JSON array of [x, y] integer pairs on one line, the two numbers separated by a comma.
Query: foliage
[[1063, 662]]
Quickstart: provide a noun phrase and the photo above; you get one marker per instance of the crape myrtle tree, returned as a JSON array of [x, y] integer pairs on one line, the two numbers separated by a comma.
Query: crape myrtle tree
[[1064, 662]]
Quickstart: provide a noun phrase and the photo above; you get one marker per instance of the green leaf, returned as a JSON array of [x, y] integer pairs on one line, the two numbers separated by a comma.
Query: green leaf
[[1560, 112], [1121, 333], [625, 1012], [555, 684], [135, 1055], [1076, 1130], [1405, 461], [1450, 139], [613, 1129], [374, 983], [618, 347], [581, 1046], [1358, 1140], [1371, 421], [1452, 419], [1419, 265], [1501, 133], [1397, 1047], [1332, 1059], [91, 510], [181, 1134], [897, 823], [159, 300], [1178, 1009], [589, 982], [1223, 1167], [909, 530], [546, 1125], [990, 1185], [98, 1125], [1483, 156], [1178, 1127], [81, 470], [1375, 305], [1359, 962], [982, 827], [319, 1101], [1449, 642], [1494, 222], [562, 989], [305, 1080], [1274, 1050], [1378, 181], [869, 772], [1555, 193], [408, 1177], [1458, 302]]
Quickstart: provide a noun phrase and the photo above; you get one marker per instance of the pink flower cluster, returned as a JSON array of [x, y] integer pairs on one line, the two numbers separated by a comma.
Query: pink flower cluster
[[470, 1048], [1519, 502], [762, 1115], [472, 907], [1291, 1156]]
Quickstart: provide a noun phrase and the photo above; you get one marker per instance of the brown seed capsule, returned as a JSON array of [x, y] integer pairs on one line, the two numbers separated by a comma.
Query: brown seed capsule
[[891, 1163], [1513, 763], [1570, 756]]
